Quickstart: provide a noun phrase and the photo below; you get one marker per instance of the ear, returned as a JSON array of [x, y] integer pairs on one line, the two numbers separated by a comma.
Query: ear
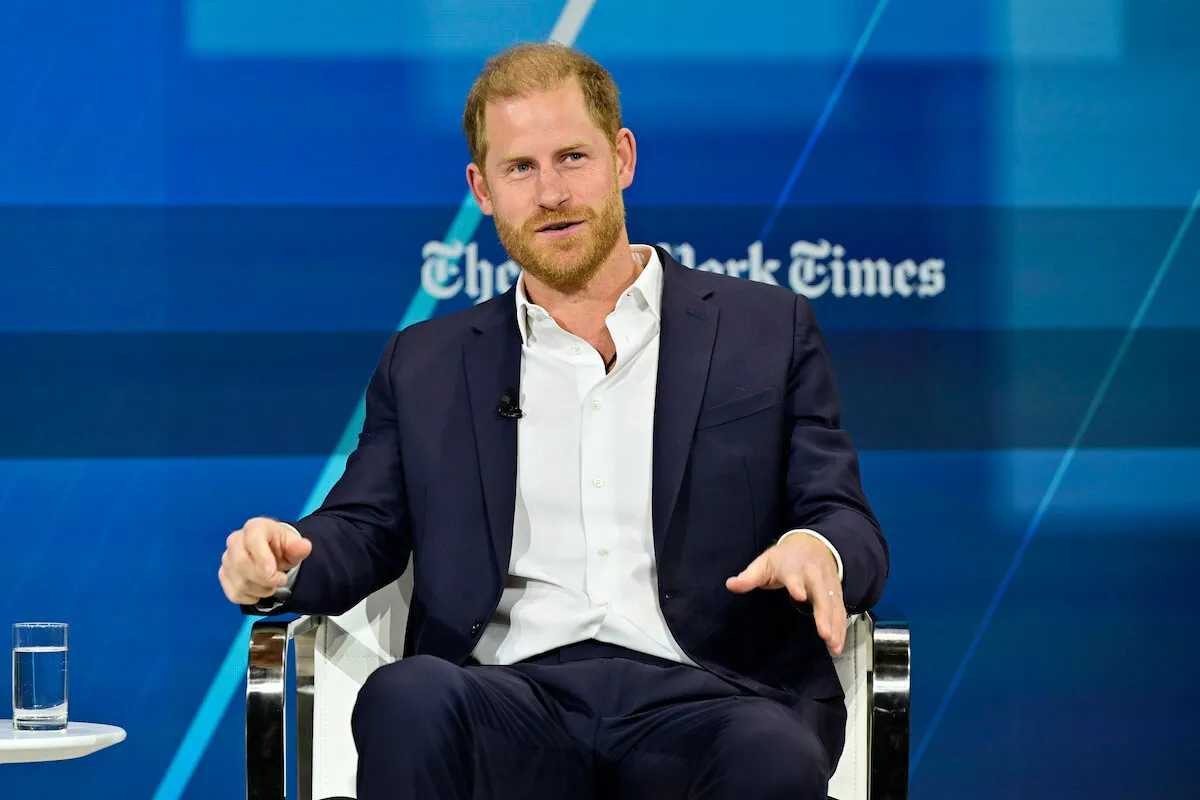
[[626, 155], [479, 188]]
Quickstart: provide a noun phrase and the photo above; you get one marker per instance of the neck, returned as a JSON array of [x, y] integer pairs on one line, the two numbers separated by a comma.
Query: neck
[[583, 312]]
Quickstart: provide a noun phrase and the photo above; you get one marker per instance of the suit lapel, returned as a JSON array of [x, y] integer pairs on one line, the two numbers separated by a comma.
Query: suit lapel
[[689, 328], [492, 361]]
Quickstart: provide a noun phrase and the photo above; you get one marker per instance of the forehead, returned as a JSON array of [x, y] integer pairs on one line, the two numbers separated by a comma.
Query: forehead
[[538, 121]]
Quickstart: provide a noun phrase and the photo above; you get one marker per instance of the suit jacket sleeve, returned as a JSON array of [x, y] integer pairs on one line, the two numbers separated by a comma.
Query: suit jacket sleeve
[[823, 482], [361, 534]]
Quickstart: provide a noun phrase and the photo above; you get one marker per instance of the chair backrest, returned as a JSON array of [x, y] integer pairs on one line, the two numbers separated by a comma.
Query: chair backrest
[[352, 646]]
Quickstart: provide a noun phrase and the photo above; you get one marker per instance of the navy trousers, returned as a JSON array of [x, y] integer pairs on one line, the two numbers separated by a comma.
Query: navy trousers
[[590, 720]]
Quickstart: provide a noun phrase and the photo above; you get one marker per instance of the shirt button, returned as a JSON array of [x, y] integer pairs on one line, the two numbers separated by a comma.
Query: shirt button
[[598, 482], [575, 349], [602, 552], [596, 404]]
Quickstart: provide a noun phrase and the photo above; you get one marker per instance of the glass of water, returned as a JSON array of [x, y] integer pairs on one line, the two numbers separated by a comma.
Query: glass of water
[[39, 678]]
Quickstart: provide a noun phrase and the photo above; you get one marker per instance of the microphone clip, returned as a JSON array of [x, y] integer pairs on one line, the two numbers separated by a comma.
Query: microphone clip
[[508, 407]]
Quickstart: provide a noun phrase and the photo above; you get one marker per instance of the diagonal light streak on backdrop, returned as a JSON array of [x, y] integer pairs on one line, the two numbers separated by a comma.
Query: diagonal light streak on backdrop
[[232, 672], [830, 104], [1056, 481]]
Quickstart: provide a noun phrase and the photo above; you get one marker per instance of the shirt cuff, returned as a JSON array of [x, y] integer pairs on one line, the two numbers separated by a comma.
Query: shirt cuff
[[836, 555], [284, 593], [291, 578]]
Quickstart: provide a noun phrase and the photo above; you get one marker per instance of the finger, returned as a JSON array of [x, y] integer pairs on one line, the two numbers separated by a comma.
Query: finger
[[752, 577], [231, 592], [822, 610], [836, 622], [245, 575], [839, 628], [831, 617], [255, 584], [241, 580], [795, 587], [261, 541]]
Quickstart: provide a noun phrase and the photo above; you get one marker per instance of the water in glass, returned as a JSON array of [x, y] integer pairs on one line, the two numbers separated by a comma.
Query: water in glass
[[40, 682]]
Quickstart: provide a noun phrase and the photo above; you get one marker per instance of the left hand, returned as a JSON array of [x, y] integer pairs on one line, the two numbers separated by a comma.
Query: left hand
[[805, 566]]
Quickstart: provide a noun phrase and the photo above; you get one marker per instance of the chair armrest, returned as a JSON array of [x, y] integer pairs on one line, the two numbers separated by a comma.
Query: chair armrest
[[266, 705], [890, 703]]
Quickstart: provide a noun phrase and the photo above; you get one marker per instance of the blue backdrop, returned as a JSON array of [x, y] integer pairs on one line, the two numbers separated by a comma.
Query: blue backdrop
[[213, 213]]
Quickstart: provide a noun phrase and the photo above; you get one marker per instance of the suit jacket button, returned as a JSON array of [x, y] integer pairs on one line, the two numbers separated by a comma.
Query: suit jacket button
[[476, 626]]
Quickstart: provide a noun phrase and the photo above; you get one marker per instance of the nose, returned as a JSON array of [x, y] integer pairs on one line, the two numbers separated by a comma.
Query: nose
[[551, 189]]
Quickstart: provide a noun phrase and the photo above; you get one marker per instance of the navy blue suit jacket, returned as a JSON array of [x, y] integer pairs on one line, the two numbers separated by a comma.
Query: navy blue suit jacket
[[747, 445]]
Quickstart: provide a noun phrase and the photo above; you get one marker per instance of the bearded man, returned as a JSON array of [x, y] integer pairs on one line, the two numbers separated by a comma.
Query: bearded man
[[635, 524]]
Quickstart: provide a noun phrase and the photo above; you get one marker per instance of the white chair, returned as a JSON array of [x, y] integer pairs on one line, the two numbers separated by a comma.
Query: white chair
[[334, 656]]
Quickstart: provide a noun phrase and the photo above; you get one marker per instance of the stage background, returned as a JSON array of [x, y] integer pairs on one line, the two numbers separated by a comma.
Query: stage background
[[215, 212]]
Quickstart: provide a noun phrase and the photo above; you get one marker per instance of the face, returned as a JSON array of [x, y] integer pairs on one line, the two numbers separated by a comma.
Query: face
[[553, 183]]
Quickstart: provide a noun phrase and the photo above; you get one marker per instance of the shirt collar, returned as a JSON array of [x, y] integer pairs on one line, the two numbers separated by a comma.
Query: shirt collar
[[647, 289]]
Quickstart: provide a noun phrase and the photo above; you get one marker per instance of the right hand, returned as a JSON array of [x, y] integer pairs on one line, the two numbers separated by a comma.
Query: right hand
[[257, 559]]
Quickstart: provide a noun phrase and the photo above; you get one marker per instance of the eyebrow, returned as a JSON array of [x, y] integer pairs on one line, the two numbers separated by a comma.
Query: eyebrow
[[509, 158]]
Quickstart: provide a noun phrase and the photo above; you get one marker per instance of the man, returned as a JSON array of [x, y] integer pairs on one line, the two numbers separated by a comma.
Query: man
[[636, 527]]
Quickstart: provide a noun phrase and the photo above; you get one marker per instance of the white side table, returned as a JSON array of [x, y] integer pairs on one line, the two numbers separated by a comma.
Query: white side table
[[79, 739]]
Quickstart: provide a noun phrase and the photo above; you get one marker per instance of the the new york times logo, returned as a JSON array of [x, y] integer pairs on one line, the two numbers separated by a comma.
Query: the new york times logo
[[816, 269]]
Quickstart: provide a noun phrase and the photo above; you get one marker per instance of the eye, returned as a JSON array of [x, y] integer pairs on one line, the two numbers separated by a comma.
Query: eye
[[574, 156], [520, 167]]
